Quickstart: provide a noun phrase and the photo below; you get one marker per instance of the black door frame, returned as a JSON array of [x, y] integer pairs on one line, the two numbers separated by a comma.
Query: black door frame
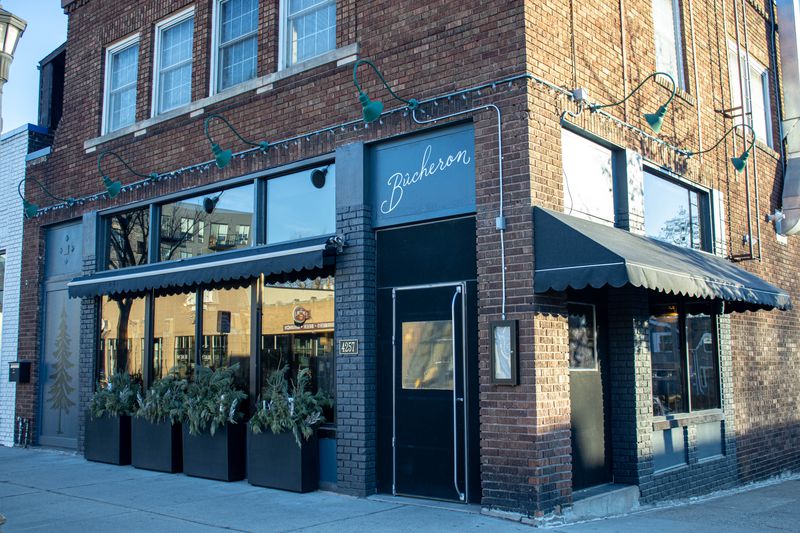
[[461, 289]]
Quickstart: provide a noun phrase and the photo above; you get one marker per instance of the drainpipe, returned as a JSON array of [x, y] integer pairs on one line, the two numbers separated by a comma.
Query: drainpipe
[[789, 13]]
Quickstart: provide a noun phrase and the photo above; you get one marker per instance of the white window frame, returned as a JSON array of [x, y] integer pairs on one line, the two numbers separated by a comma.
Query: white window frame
[[115, 48], [677, 31], [283, 35], [161, 26], [215, 30], [748, 63]]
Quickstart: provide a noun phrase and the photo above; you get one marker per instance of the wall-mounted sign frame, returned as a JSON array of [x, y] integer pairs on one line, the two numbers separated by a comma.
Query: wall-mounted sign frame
[[505, 356], [348, 346]]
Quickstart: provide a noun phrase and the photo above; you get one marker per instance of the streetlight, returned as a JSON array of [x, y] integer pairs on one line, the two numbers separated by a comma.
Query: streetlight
[[11, 28]]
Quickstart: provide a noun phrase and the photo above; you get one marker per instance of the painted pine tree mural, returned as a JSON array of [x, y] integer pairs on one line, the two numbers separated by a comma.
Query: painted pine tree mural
[[62, 388]]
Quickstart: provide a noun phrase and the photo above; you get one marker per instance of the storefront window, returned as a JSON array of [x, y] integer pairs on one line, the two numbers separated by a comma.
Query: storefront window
[[675, 214], [297, 330], [207, 224], [226, 331], [121, 336], [684, 359], [173, 334], [299, 207], [128, 233]]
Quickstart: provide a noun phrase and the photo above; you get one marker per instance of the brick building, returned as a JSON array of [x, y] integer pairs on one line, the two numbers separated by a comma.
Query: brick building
[[523, 308]]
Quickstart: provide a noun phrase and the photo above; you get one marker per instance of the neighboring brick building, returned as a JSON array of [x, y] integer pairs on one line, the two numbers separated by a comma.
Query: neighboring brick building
[[648, 380]]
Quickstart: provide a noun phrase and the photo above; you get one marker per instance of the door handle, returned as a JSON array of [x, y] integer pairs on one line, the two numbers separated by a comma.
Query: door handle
[[456, 399]]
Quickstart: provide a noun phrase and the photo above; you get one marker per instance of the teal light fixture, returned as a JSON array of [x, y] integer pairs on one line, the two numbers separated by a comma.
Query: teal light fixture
[[654, 120], [372, 109], [223, 156], [31, 209], [114, 187], [739, 163]]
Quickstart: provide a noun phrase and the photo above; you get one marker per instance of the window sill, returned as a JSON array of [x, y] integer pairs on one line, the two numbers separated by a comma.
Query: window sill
[[661, 423], [342, 56]]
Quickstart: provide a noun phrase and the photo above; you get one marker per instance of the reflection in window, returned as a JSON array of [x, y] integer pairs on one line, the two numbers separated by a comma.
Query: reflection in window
[[582, 348], [428, 355], [311, 29], [121, 336], [588, 178], [667, 366], [297, 209], [173, 334], [703, 372], [675, 214], [174, 82], [669, 55], [189, 230], [128, 233], [297, 327], [226, 331], [238, 44]]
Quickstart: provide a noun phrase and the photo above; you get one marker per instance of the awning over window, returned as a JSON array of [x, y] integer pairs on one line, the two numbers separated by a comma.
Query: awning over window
[[274, 261], [572, 252]]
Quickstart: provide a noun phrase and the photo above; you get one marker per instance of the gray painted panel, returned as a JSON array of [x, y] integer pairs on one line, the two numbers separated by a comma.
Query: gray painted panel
[[63, 251], [669, 449], [709, 440], [422, 177]]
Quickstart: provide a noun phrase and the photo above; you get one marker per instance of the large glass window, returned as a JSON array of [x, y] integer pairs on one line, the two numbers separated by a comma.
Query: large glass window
[[237, 33], [297, 330], [226, 331], [668, 39], [122, 335], [128, 234], [122, 68], [173, 334], [173, 80], [685, 363], [207, 224], [310, 29], [298, 208], [676, 214], [588, 178], [757, 114]]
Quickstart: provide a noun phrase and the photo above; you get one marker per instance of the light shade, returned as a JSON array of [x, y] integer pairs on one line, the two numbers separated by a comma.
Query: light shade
[[113, 188], [31, 209], [740, 162], [318, 177], [656, 120], [372, 109], [222, 157], [209, 204]]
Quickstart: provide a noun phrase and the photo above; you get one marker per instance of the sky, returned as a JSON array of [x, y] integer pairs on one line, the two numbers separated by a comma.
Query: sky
[[46, 31]]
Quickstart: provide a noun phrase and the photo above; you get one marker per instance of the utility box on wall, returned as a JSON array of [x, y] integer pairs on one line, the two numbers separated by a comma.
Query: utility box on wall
[[19, 371]]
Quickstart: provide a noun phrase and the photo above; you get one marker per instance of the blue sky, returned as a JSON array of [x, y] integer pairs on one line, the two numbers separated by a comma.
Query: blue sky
[[47, 29]]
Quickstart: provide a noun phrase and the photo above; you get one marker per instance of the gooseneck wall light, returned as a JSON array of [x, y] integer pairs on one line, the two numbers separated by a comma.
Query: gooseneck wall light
[[31, 209], [740, 162], [654, 120], [113, 187], [223, 157], [373, 108]]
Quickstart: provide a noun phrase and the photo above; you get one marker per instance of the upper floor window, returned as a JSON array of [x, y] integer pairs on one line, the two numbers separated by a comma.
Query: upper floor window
[[669, 52], [675, 213], [756, 85], [236, 42], [588, 178], [122, 66], [173, 62], [309, 29]]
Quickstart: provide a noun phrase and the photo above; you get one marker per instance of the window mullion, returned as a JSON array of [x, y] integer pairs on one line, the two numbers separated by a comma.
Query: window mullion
[[238, 39]]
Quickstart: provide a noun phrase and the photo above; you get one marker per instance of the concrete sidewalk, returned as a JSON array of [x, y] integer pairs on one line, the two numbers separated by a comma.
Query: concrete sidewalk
[[44, 490]]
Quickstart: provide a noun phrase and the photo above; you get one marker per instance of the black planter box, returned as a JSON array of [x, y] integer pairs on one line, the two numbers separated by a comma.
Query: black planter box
[[276, 461], [156, 446], [220, 457], [108, 439]]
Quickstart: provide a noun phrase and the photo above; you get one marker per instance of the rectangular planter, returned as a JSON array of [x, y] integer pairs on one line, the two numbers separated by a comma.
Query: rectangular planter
[[276, 461], [108, 439], [156, 446], [220, 457]]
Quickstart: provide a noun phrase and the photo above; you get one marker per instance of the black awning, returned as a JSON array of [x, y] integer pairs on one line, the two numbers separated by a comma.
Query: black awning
[[576, 253], [272, 261]]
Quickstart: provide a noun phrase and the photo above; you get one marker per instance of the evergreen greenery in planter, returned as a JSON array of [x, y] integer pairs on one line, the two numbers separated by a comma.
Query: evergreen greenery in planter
[[156, 428], [287, 456], [108, 427], [213, 440]]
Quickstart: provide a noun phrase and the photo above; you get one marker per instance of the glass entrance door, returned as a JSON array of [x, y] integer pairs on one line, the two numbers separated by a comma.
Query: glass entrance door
[[429, 440]]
